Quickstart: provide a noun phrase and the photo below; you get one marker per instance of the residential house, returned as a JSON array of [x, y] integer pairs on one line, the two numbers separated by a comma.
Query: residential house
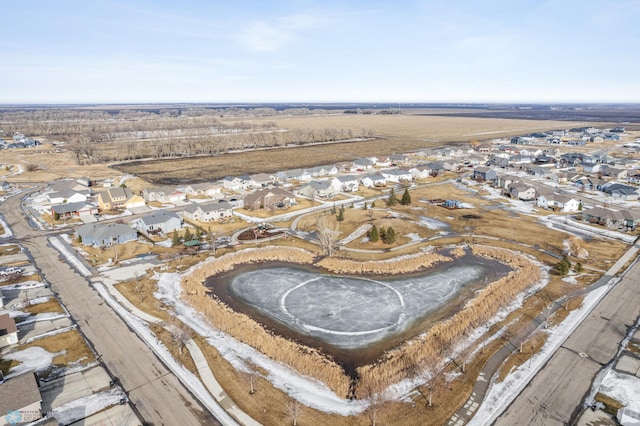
[[592, 167], [437, 167], [119, 198], [605, 217], [295, 174], [262, 180], [272, 198], [99, 235], [321, 171], [484, 147], [164, 194], [361, 164], [8, 331], [634, 178], [613, 172], [68, 184], [318, 189], [522, 191], [374, 180], [558, 202], [20, 400], [399, 159], [78, 209], [158, 222], [208, 212], [347, 183], [397, 175], [85, 181], [421, 171], [67, 196], [237, 183], [205, 189], [621, 191], [484, 174]]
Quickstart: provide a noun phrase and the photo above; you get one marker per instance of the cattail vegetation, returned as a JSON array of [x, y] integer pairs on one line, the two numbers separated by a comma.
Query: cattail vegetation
[[408, 360]]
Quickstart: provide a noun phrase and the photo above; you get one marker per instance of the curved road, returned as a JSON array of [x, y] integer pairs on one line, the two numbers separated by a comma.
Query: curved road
[[156, 393]]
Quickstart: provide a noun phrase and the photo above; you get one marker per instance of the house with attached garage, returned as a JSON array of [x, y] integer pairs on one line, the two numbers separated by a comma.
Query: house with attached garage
[[119, 198], [98, 235], [374, 180], [158, 222], [318, 189], [268, 199], [262, 180], [20, 400], [205, 189], [67, 196], [347, 183], [294, 174], [361, 164], [321, 171], [208, 212], [621, 191], [78, 209], [163, 194], [558, 202], [397, 175], [484, 174], [626, 219], [8, 331], [522, 191], [421, 171]]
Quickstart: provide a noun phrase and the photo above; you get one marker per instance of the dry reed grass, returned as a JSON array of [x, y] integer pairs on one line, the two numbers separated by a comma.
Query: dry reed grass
[[398, 364]]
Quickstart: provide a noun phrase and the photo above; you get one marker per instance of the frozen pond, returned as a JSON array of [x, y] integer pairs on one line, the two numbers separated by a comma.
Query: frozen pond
[[346, 313]]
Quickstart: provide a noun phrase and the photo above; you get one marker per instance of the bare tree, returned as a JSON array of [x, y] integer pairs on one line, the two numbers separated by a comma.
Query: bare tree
[[328, 234], [294, 410], [429, 370], [180, 333], [377, 397]]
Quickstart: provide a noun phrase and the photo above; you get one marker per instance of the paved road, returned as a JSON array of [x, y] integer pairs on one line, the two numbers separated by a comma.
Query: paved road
[[157, 394], [555, 395]]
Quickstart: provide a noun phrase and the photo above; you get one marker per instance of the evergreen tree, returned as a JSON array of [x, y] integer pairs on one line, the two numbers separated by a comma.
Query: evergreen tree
[[187, 235], [564, 266], [373, 204], [176, 239], [578, 267], [392, 200], [365, 206], [340, 217], [406, 198], [374, 236], [389, 236], [383, 233], [333, 209]]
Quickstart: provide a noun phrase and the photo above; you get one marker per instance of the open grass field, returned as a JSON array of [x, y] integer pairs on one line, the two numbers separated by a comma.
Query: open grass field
[[395, 134]]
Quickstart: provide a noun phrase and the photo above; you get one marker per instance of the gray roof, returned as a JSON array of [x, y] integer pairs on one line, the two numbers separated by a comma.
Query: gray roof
[[19, 392], [71, 207], [102, 232], [157, 217], [67, 193], [347, 178], [208, 207], [320, 185]]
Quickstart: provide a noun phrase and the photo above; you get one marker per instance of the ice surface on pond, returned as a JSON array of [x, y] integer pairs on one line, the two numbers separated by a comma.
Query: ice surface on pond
[[348, 312]]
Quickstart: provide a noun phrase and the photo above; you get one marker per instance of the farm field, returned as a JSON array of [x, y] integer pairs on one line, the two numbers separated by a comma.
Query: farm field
[[394, 134]]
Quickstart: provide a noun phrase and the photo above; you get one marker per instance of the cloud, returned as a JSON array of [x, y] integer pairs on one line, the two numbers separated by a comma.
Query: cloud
[[271, 36]]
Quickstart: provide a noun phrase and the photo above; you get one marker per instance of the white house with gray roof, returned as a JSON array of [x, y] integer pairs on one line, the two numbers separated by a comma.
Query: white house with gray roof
[[97, 234], [208, 212], [158, 222]]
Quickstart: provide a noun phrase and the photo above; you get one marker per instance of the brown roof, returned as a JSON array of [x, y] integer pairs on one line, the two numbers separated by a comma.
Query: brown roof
[[7, 325], [19, 392]]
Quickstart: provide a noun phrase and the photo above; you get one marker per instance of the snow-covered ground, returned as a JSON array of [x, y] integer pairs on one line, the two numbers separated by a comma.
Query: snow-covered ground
[[81, 408], [6, 230], [34, 358], [70, 257], [624, 388], [500, 395]]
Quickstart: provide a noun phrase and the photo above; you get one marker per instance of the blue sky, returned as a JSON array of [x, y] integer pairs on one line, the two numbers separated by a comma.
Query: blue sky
[[320, 51]]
